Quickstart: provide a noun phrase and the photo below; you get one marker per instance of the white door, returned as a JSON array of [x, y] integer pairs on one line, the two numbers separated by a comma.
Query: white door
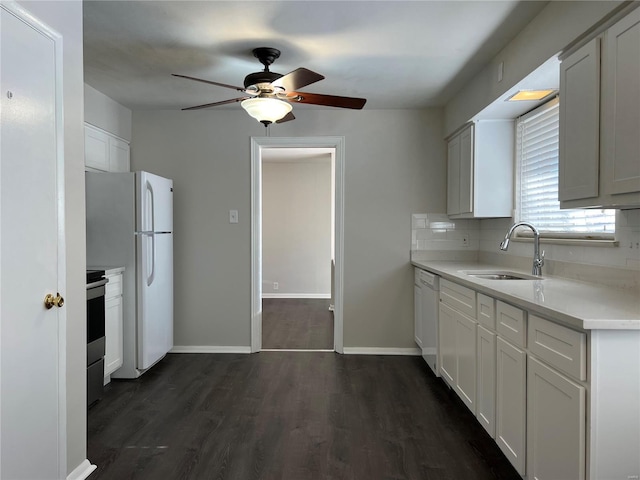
[[30, 446]]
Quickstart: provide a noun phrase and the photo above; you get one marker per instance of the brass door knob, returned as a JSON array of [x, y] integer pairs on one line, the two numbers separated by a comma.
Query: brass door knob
[[50, 301]]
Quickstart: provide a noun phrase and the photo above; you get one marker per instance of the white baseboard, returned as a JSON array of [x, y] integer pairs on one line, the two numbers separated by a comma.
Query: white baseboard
[[209, 349], [82, 471], [429, 351], [381, 351], [296, 295]]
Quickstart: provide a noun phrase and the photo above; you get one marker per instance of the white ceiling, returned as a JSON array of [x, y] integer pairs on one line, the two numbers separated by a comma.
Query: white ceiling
[[396, 54]]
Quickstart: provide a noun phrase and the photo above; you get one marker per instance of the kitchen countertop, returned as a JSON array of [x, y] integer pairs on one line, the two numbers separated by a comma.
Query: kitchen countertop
[[577, 304], [107, 270]]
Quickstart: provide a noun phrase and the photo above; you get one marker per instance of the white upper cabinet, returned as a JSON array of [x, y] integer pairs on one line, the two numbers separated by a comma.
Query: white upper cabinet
[[105, 152], [599, 157], [579, 141], [118, 155], [621, 107], [96, 149], [480, 170]]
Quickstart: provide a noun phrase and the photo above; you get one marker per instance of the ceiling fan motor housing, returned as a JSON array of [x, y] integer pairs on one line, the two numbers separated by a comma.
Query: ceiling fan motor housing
[[266, 56], [260, 77]]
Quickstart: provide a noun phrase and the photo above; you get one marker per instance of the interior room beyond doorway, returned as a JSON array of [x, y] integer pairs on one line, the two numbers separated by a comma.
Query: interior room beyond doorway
[[298, 216]]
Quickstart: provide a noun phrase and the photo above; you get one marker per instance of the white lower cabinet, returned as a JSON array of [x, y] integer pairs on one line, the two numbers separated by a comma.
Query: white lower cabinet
[[113, 324], [486, 382], [466, 358], [511, 402], [447, 342], [553, 397], [457, 344], [555, 425]]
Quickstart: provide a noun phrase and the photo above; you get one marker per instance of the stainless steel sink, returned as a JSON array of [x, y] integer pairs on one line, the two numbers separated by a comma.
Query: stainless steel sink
[[499, 275]]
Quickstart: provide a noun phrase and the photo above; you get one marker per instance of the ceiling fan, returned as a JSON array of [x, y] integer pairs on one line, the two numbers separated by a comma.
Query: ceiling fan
[[268, 95]]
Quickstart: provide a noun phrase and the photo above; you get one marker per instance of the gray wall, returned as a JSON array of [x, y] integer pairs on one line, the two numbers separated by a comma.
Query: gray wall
[[395, 165], [296, 227], [559, 24], [107, 114], [66, 19]]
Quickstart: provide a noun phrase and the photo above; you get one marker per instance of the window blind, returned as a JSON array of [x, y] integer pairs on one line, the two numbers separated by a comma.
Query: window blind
[[537, 190]]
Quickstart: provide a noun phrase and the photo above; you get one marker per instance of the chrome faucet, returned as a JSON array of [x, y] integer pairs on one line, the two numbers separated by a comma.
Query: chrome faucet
[[538, 258]]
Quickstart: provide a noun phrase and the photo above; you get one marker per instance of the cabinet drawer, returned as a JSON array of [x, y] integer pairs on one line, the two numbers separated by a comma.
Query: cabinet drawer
[[511, 324], [114, 287], [559, 346], [486, 311], [458, 297]]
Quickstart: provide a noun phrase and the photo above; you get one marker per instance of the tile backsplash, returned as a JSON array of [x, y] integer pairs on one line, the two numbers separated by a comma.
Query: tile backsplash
[[625, 255], [436, 231], [435, 237]]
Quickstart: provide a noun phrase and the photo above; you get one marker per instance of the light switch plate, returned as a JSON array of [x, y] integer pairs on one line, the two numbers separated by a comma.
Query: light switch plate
[[233, 216]]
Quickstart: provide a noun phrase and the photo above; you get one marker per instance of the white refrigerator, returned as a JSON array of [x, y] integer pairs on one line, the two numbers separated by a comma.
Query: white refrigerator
[[130, 224]]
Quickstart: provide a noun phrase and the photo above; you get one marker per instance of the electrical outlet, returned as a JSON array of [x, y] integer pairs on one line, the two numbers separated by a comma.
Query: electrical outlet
[[275, 285], [465, 241]]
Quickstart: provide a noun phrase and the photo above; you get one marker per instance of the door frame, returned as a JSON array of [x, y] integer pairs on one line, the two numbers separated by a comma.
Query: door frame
[[258, 144], [28, 18]]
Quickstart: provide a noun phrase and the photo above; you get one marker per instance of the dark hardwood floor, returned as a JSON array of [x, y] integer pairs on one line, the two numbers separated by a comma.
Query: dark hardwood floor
[[297, 323], [288, 416]]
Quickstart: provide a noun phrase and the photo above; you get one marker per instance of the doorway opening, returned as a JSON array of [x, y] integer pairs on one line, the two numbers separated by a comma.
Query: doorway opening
[[297, 248], [291, 296]]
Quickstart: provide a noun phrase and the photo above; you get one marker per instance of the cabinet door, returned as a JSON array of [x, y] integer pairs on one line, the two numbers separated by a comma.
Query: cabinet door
[[447, 337], [113, 335], [466, 359], [621, 106], [118, 155], [555, 425], [511, 403], [466, 171], [579, 141], [453, 176], [486, 397], [417, 316], [96, 149]]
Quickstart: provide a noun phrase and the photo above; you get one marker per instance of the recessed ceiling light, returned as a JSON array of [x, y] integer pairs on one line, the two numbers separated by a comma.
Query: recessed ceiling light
[[530, 95]]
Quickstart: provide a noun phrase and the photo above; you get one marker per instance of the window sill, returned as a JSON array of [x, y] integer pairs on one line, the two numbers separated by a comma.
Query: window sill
[[574, 242]]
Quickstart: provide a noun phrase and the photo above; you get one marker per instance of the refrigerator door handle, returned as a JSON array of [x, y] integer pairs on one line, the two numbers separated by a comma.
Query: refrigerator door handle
[[151, 260], [150, 206]]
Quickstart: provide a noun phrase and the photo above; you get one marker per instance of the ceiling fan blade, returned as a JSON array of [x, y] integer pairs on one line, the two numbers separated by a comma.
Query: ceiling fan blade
[[326, 100], [239, 89], [287, 118], [215, 104], [300, 77]]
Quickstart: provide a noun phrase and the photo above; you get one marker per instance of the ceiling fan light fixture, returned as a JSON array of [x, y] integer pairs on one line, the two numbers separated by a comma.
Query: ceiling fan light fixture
[[266, 110]]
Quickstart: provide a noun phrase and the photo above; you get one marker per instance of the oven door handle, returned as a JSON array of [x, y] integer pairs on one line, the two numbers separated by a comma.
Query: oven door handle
[[99, 283]]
